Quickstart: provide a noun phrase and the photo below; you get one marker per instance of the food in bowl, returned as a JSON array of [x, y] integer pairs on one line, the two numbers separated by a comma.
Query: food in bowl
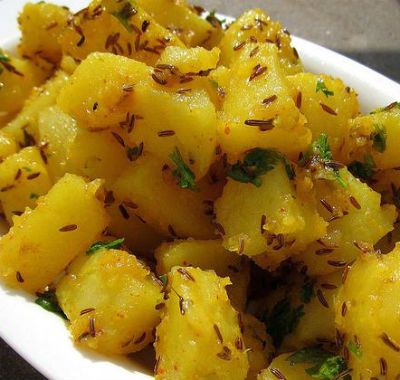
[[174, 181]]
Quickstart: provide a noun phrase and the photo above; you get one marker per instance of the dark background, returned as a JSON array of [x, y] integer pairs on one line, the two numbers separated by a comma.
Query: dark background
[[365, 30]]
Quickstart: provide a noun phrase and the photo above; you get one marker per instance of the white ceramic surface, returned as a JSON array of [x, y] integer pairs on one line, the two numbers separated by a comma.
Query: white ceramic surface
[[41, 337]]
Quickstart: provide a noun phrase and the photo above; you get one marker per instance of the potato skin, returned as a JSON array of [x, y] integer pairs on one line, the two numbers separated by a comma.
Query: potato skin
[[27, 246], [119, 294], [256, 79], [207, 255], [182, 213], [240, 212], [361, 222], [41, 24], [256, 24], [197, 314], [343, 102], [367, 314], [25, 176]]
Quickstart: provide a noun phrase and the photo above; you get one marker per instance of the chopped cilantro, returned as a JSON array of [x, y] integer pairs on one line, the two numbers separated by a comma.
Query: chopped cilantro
[[354, 349], [214, 20], [164, 279], [4, 57], [33, 196], [105, 245], [324, 365], [307, 291], [256, 163], [214, 83], [363, 170], [378, 138], [27, 169], [187, 179], [125, 13], [49, 302], [283, 320], [320, 151], [322, 87]]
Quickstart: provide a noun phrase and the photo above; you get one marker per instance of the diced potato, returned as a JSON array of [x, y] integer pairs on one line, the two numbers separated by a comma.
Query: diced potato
[[24, 128], [375, 135], [280, 368], [357, 222], [269, 223], [41, 24], [367, 316], [95, 96], [23, 179], [300, 311], [256, 27], [327, 104], [207, 255], [118, 27], [139, 236], [193, 60], [258, 343], [7, 145], [172, 211], [111, 301], [177, 17], [259, 110], [17, 79], [199, 336], [43, 242], [57, 132]]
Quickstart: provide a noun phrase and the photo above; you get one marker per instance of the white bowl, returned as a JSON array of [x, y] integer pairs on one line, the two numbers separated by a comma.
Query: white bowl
[[41, 337]]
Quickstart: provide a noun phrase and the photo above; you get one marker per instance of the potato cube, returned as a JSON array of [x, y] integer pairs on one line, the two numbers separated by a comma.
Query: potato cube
[[23, 179], [43, 241], [198, 315], [357, 221], [41, 24], [207, 255], [327, 104], [256, 27], [111, 301], [259, 110], [171, 210], [269, 223]]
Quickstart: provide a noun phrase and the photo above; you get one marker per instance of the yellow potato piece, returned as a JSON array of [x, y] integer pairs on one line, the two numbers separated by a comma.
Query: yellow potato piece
[[198, 315], [256, 27], [269, 223], [356, 222], [172, 211], [23, 179], [7, 145], [259, 110], [367, 314], [207, 255], [43, 241], [111, 301]]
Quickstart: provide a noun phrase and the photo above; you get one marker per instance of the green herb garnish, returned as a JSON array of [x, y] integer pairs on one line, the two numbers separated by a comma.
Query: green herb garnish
[[187, 179], [320, 152], [127, 11], [33, 196], [49, 302], [3, 58], [283, 320], [325, 366], [378, 138], [322, 87], [116, 244], [164, 279], [354, 349], [27, 169], [256, 163], [363, 170], [307, 291]]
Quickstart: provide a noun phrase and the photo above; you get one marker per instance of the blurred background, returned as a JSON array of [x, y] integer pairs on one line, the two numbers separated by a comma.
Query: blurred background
[[365, 30]]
